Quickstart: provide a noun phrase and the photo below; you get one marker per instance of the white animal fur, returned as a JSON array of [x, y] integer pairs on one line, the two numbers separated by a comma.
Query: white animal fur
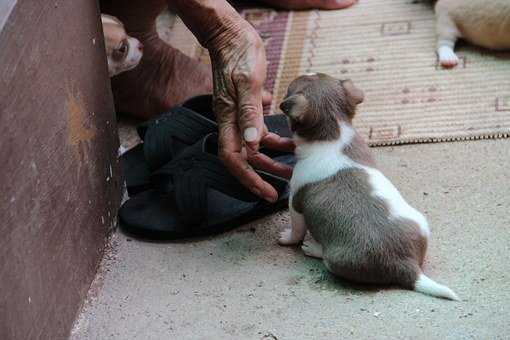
[[134, 53], [313, 248], [107, 19], [320, 160], [447, 56], [428, 286], [483, 22], [295, 234]]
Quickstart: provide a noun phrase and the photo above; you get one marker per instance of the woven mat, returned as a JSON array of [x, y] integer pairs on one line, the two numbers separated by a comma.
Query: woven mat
[[387, 47]]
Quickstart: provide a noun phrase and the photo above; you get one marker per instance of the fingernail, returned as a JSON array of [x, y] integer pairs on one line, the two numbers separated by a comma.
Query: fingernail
[[256, 191], [270, 199], [251, 134]]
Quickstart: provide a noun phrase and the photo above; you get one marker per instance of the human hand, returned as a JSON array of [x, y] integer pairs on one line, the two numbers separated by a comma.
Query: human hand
[[239, 71]]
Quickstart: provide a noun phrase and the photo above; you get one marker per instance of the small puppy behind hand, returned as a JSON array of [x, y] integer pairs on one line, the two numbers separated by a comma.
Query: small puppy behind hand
[[123, 52], [362, 227], [484, 23]]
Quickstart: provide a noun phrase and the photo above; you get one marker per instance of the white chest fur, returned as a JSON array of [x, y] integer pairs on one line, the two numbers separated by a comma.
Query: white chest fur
[[318, 161]]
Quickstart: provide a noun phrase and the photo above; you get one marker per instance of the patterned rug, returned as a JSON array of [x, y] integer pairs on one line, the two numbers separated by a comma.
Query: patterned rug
[[387, 47]]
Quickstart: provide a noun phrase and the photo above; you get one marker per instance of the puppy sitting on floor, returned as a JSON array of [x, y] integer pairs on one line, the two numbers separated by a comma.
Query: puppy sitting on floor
[[122, 51], [482, 22], [361, 226]]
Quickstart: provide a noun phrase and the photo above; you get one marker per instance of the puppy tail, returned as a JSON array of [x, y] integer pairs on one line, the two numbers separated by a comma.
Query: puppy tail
[[428, 286]]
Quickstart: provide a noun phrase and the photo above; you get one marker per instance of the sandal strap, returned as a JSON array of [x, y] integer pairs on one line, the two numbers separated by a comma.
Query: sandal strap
[[202, 105], [161, 135], [191, 174]]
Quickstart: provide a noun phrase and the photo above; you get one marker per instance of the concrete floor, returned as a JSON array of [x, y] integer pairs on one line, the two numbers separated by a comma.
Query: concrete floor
[[242, 285]]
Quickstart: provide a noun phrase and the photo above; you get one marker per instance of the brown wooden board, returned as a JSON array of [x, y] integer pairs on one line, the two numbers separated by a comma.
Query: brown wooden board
[[59, 182]]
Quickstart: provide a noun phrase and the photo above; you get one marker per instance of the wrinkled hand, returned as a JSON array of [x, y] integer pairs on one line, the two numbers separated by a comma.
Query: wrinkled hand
[[239, 71]]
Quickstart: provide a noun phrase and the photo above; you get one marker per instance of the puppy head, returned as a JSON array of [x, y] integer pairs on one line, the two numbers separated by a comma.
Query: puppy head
[[123, 52], [316, 104]]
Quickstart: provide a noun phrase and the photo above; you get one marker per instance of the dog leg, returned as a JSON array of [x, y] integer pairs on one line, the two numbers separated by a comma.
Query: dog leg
[[447, 35], [312, 248], [296, 233]]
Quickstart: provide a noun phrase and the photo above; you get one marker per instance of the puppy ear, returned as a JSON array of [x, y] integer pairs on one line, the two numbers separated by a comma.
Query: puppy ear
[[354, 94], [294, 106], [109, 19]]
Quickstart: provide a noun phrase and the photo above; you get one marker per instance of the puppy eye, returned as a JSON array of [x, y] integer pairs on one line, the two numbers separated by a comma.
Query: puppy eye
[[124, 47], [121, 52]]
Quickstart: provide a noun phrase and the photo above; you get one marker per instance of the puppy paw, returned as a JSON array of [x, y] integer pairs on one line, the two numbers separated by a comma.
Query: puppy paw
[[286, 238], [312, 249], [447, 58]]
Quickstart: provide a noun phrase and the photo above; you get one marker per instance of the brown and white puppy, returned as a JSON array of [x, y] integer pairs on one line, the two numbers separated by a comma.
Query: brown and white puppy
[[362, 227], [123, 52], [482, 22]]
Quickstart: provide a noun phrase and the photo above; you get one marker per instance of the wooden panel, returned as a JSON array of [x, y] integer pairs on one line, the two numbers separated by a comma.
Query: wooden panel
[[58, 151], [6, 7]]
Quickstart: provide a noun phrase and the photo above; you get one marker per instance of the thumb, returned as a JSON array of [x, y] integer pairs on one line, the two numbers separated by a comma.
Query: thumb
[[267, 97], [250, 115]]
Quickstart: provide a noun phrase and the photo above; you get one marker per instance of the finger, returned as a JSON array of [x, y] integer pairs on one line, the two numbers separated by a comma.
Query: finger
[[250, 117], [267, 97], [266, 163], [230, 152], [240, 168], [275, 142], [249, 81]]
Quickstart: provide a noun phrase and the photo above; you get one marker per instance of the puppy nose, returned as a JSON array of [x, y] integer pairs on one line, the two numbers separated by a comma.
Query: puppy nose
[[285, 106], [140, 46]]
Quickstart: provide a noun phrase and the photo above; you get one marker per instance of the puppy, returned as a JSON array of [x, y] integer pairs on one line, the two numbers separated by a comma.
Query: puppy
[[362, 227], [482, 22], [123, 52]]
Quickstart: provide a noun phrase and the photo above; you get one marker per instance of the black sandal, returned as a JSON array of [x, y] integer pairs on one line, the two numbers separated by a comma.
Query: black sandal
[[195, 195], [167, 135], [176, 196]]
